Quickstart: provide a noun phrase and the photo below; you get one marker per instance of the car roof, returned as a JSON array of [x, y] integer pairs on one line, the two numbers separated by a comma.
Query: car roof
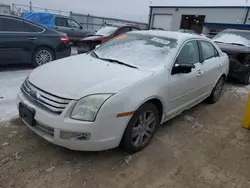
[[170, 34]]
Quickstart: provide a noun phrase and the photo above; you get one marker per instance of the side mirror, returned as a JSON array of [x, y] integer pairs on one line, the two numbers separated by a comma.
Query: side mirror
[[183, 68]]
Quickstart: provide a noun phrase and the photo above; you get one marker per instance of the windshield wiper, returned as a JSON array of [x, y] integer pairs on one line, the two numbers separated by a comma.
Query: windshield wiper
[[112, 60], [218, 41], [118, 62], [236, 44]]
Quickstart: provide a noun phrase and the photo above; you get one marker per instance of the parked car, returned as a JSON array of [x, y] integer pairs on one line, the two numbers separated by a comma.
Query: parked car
[[22, 41], [119, 93], [106, 33], [74, 30], [188, 31], [236, 43], [64, 24]]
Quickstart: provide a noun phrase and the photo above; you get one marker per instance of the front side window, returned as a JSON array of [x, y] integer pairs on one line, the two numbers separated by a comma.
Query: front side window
[[140, 50], [62, 22], [73, 24], [13, 25], [189, 53], [208, 50]]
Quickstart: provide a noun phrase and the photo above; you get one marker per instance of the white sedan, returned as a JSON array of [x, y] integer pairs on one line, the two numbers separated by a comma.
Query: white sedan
[[118, 94]]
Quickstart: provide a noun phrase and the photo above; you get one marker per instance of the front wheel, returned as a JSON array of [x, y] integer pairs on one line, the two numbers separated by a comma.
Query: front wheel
[[141, 128], [41, 56], [216, 92]]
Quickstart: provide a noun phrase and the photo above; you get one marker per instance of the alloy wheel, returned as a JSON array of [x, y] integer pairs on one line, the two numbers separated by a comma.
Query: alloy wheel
[[143, 128], [43, 56]]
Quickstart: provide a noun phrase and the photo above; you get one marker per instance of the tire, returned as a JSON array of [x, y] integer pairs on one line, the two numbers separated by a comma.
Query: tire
[[246, 80], [143, 130], [42, 52], [216, 92]]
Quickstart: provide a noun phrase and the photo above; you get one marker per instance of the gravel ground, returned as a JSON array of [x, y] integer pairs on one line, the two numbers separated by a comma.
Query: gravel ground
[[204, 147]]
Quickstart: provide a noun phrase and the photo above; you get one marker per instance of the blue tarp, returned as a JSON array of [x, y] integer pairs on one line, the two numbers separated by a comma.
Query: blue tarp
[[42, 18]]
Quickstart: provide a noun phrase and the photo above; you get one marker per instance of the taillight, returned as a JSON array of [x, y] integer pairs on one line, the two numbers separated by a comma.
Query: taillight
[[64, 39]]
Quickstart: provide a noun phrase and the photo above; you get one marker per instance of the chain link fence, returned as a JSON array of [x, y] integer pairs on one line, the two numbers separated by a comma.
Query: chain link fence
[[88, 21]]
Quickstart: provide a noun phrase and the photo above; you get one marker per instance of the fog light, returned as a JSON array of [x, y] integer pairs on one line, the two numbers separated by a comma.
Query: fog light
[[74, 135]]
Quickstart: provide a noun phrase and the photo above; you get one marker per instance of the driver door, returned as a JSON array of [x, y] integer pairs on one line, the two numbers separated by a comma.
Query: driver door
[[185, 88]]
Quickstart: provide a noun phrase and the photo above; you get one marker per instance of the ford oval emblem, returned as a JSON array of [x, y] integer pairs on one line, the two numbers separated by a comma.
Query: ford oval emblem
[[35, 94]]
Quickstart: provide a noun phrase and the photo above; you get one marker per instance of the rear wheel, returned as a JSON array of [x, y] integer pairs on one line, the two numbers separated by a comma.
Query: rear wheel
[[141, 128], [246, 79], [216, 93], [41, 56]]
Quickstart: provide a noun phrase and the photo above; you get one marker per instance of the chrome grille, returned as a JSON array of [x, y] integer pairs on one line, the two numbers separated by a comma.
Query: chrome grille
[[45, 100]]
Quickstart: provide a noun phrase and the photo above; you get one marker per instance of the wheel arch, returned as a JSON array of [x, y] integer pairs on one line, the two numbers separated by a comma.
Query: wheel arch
[[44, 46], [157, 101]]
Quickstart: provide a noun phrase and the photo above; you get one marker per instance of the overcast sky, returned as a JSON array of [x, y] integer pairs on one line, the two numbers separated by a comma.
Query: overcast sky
[[126, 9]]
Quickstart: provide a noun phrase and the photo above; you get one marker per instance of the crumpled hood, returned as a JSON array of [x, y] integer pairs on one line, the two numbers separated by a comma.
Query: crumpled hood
[[232, 48], [77, 76]]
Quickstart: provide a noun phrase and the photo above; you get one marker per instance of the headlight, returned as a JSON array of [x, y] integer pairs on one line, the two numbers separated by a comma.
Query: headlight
[[87, 108]]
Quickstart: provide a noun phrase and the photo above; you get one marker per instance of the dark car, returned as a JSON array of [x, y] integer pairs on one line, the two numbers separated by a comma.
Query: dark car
[[22, 41], [188, 31], [236, 43], [72, 28], [106, 33]]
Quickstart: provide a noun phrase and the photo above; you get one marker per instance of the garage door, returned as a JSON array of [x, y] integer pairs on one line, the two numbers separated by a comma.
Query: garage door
[[162, 21]]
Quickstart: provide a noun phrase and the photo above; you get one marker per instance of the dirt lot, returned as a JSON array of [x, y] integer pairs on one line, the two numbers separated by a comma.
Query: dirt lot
[[204, 147]]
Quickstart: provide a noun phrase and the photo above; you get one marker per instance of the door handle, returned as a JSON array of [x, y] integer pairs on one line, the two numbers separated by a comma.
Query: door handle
[[32, 38], [199, 73]]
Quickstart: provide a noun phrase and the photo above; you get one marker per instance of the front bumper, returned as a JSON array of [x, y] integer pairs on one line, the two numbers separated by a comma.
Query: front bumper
[[105, 133]]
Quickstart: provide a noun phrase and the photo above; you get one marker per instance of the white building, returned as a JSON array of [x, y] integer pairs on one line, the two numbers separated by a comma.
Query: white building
[[4, 9], [203, 19]]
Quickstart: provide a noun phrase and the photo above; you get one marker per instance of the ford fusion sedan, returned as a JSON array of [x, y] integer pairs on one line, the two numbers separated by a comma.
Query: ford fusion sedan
[[119, 94]]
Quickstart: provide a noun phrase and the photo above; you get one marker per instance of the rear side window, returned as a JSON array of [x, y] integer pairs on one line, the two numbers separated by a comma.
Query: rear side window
[[61, 22], [208, 50], [37, 29], [13, 25]]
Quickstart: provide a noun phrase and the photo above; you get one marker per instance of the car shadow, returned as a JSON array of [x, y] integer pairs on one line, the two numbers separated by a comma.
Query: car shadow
[[5, 68]]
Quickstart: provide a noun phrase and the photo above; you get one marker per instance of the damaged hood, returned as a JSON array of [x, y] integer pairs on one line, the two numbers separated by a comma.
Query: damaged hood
[[232, 48], [77, 76], [91, 38]]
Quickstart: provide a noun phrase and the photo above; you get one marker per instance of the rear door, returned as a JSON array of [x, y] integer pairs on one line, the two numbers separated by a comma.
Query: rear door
[[18, 39], [211, 65]]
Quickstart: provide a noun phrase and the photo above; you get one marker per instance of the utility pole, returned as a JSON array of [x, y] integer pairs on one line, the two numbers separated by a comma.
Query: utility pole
[[247, 12], [30, 6]]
